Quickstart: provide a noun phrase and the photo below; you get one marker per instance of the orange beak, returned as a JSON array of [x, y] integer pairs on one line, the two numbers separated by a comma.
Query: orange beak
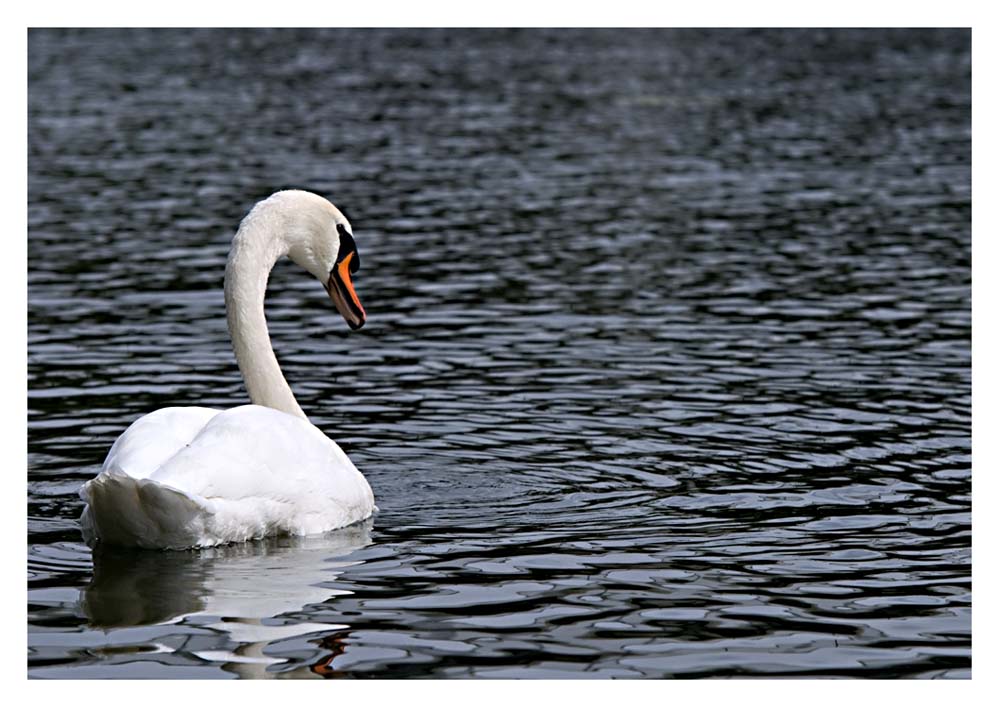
[[342, 293]]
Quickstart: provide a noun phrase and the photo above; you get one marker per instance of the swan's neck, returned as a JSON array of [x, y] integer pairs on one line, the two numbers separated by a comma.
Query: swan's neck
[[256, 248]]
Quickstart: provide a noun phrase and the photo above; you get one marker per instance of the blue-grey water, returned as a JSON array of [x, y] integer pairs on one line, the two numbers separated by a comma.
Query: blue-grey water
[[666, 372]]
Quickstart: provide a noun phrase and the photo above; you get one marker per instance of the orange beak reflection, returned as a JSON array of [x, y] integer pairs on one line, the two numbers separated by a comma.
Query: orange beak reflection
[[342, 293]]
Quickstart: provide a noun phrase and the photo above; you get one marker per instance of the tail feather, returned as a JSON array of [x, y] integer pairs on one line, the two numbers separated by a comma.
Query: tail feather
[[125, 511]]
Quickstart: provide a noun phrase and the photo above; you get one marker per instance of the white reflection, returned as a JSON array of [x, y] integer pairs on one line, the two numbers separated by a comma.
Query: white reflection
[[236, 591]]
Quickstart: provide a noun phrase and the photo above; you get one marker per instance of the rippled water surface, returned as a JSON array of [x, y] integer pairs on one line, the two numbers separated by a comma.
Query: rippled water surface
[[666, 373]]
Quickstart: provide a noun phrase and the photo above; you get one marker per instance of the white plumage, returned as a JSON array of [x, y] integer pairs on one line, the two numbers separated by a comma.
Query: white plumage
[[183, 477]]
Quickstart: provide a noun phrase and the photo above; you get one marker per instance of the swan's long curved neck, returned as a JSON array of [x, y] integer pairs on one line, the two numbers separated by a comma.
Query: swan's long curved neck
[[254, 252]]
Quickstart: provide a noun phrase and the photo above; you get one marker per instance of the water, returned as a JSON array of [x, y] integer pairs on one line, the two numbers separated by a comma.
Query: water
[[666, 373]]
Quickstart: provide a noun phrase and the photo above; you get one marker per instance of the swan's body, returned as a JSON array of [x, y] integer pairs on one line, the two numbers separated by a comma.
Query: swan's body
[[183, 477]]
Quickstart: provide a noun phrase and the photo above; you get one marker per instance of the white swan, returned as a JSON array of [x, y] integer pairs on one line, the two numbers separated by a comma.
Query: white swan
[[185, 477]]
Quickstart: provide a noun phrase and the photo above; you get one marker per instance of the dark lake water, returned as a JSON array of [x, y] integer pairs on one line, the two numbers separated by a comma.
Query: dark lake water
[[666, 372]]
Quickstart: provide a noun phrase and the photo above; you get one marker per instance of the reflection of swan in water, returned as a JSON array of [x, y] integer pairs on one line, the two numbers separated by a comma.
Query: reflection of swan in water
[[230, 590]]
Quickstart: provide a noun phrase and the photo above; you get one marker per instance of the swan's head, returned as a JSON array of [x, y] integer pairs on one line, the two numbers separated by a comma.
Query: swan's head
[[320, 239]]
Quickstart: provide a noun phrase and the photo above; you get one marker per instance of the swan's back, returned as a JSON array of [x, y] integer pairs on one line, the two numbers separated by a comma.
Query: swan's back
[[186, 477], [155, 438]]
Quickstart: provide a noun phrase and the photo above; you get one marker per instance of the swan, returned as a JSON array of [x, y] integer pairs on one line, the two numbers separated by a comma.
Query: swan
[[189, 477]]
